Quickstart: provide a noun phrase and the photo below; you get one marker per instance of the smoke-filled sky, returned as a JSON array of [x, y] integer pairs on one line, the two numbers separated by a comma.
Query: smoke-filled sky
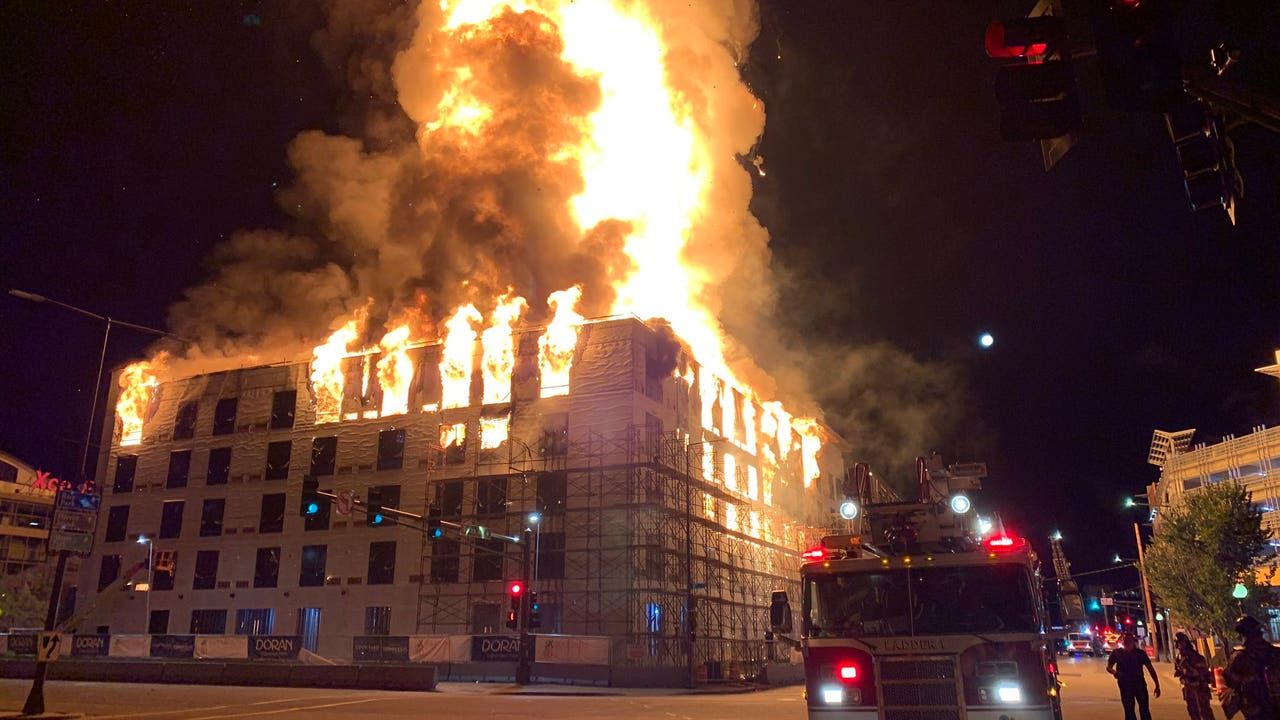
[[244, 174]]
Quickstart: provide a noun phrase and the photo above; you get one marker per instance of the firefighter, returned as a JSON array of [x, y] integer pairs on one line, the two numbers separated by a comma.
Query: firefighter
[[1127, 664], [1247, 674], [1192, 671]]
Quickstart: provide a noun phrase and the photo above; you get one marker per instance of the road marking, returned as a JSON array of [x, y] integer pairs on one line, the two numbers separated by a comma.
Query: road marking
[[289, 710], [202, 709]]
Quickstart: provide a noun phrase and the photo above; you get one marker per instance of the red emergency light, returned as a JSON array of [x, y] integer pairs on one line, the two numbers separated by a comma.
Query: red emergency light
[[814, 554], [847, 671], [1005, 543]]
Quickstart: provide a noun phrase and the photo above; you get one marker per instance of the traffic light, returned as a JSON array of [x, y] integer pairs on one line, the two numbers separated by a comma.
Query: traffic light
[[313, 504], [515, 591], [1039, 96], [535, 617], [1205, 156], [373, 508], [434, 530]]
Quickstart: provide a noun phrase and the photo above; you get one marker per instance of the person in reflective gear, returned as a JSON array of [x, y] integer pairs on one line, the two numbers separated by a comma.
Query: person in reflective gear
[[1192, 671], [1127, 663], [1252, 674]]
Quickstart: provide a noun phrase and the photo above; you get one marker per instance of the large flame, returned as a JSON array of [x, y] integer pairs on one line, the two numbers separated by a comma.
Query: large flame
[[327, 381], [499, 358], [395, 370], [493, 431], [557, 344], [457, 356], [138, 383]]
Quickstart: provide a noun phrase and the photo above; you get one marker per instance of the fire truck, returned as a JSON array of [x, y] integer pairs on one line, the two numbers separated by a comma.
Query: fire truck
[[918, 618]]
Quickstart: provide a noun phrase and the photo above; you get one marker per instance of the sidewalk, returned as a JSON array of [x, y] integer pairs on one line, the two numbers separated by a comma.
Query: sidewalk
[[488, 688]]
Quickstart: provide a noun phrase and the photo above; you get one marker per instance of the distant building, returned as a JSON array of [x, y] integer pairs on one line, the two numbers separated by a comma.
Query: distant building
[[642, 462], [26, 508], [1252, 460]]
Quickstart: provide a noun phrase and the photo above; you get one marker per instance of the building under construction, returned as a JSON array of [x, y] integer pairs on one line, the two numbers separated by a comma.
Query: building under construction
[[650, 486]]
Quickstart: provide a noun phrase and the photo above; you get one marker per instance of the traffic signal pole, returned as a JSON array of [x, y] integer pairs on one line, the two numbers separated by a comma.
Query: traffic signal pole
[[524, 666]]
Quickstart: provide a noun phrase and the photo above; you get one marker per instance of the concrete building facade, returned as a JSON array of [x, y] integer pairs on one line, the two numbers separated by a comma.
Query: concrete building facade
[[657, 487]]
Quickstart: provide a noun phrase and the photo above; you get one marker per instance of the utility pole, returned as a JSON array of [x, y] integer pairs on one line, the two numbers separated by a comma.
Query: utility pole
[[524, 666], [1146, 590]]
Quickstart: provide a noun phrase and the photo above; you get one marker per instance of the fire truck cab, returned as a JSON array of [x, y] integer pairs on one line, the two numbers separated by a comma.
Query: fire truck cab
[[934, 624]]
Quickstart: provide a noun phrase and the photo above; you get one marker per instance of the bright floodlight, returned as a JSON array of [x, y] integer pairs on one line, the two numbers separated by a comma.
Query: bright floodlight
[[143, 539], [960, 504], [984, 525], [986, 340], [848, 509], [1116, 559], [534, 517], [1057, 535]]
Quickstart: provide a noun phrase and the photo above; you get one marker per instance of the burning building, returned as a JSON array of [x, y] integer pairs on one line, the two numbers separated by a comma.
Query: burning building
[[598, 155], [653, 480]]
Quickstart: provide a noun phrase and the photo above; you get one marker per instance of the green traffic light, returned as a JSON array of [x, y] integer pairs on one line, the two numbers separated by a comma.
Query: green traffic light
[[1128, 502], [313, 508]]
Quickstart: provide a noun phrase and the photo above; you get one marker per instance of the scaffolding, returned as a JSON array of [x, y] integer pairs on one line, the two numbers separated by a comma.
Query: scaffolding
[[645, 535]]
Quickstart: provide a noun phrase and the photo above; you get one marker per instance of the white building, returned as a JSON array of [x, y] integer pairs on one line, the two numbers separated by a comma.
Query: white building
[[644, 460]]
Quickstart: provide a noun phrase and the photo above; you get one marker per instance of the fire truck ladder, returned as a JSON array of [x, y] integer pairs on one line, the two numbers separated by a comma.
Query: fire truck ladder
[[1068, 593]]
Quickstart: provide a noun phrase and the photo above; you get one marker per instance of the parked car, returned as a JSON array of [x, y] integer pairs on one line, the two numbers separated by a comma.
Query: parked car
[[1079, 644]]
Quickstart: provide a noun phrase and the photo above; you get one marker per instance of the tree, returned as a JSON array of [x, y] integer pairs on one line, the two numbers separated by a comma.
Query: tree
[[24, 597], [1204, 547]]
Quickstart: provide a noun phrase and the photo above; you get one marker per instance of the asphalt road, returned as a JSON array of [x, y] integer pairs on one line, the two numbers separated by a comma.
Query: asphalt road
[[1090, 694]]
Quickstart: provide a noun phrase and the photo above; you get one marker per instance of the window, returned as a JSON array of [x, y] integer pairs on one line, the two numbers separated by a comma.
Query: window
[[166, 564], [255, 621], [324, 455], [550, 555], [224, 416], [117, 523], [271, 519], [377, 621], [391, 449], [552, 488], [219, 466], [444, 561], [266, 571], [179, 469], [126, 467], [283, 404], [491, 497], [108, 571], [382, 563], [208, 622], [171, 519], [449, 498], [486, 560], [8, 473], [206, 570], [211, 517], [278, 459], [159, 622], [555, 435], [453, 438], [184, 424], [313, 561]]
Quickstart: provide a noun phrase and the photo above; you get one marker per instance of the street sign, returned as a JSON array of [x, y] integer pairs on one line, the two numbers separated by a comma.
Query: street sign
[[75, 518], [76, 542], [47, 646], [345, 498], [1108, 601]]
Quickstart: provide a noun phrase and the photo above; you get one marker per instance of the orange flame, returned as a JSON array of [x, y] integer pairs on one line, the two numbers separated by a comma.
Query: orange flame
[[451, 435], [557, 344], [493, 431], [499, 358], [810, 444], [395, 371], [327, 381], [138, 383], [457, 357]]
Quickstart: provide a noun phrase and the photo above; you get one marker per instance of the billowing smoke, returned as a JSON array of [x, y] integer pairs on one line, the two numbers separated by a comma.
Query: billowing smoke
[[409, 210]]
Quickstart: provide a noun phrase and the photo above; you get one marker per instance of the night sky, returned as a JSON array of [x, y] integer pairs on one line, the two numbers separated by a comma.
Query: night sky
[[135, 140]]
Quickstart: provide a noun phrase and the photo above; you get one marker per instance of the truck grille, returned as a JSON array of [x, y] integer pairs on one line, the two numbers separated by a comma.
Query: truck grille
[[919, 688]]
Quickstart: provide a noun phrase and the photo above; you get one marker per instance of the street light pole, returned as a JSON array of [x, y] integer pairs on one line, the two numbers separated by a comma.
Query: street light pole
[[1146, 589], [151, 579], [35, 698]]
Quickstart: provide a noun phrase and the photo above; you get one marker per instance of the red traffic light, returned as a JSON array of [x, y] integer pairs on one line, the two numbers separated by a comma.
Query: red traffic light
[[514, 589]]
